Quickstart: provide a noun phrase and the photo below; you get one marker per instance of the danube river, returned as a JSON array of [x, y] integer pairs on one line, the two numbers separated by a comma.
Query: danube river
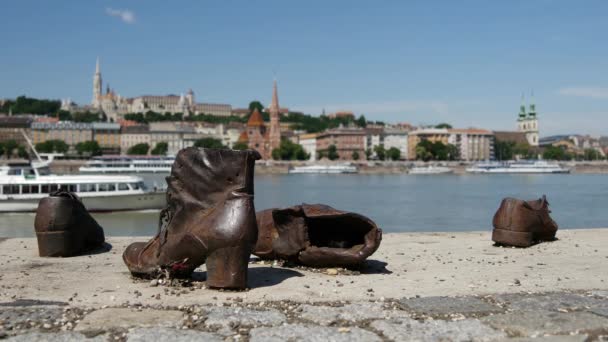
[[398, 203]]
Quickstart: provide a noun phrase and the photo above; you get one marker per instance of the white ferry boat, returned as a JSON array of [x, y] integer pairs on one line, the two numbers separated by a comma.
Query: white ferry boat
[[539, 166], [129, 164], [430, 170], [22, 185], [328, 169]]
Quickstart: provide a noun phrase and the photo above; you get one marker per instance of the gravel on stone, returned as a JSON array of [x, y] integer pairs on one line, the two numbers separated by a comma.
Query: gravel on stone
[[539, 323], [311, 333], [117, 318], [355, 312], [170, 334], [445, 306], [64, 336], [436, 330], [229, 317]]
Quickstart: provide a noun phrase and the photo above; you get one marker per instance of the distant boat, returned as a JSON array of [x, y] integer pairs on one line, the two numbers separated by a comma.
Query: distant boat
[[329, 169], [430, 170], [525, 166], [129, 164]]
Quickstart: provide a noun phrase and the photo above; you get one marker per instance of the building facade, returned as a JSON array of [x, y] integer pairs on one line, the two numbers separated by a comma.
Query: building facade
[[71, 133], [11, 128], [473, 144], [346, 140], [107, 135], [527, 123], [309, 144], [430, 134]]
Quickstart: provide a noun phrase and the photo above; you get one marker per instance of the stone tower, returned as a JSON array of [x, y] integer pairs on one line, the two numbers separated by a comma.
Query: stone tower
[[528, 122], [274, 135], [97, 87]]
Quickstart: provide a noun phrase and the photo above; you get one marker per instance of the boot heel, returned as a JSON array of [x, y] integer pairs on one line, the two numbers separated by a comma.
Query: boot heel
[[227, 268], [512, 238], [56, 243]]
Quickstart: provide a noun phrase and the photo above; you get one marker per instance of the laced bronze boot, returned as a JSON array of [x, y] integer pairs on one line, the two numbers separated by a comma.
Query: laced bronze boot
[[523, 223], [316, 235], [64, 227], [210, 217]]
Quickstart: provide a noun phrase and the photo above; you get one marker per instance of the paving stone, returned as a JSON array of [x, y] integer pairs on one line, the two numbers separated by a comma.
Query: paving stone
[[549, 301], [226, 317], [436, 330], [599, 293], [65, 336], [26, 317], [557, 338], [602, 311], [449, 305], [312, 333], [170, 334], [326, 315], [538, 323], [112, 318]]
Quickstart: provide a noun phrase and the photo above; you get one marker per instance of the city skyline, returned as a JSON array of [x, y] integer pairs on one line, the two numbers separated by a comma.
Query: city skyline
[[423, 64]]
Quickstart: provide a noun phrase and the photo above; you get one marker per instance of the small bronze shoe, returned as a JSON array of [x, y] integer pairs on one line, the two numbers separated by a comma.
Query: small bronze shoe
[[64, 227], [523, 223], [209, 218], [316, 235]]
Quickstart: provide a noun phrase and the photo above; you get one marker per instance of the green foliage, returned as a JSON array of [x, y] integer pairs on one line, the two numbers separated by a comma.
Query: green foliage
[[321, 155], [139, 149], [592, 154], [209, 143], [361, 121], [151, 116], [393, 153], [255, 104], [85, 117], [239, 145], [1, 149], [28, 105], [315, 124], [64, 115], [508, 150], [368, 153], [289, 151], [90, 148], [427, 150], [161, 148], [22, 152], [50, 146], [355, 155], [380, 152], [332, 152], [556, 153], [9, 147], [443, 125]]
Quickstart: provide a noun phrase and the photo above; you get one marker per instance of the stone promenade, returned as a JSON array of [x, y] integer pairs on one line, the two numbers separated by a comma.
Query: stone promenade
[[417, 287]]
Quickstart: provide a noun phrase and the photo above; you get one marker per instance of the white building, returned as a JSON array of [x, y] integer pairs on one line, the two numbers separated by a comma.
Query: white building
[[398, 139], [472, 144], [309, 143]]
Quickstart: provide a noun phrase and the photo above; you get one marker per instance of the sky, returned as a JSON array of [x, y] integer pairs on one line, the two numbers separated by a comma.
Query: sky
[[423, 62]]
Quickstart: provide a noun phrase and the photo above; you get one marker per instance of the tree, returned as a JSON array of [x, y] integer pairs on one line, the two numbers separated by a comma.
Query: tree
[[556, 153], [255, 105], [592, 154], [9, 147], [139, 149], [423, 153], [368, 153], [64, 115], [1, 149], [289, 151], [22, 152], [361, 121], [355, 155], [239, 145], [321, 155], [50, 146], [393, 153], [161, 148], [332, 152], [85, 117], [443, 125], [209, 143], [90, 148], [380, 152], [28, 105]]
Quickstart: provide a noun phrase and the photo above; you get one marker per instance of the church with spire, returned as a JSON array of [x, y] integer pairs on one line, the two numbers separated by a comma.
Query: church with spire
[[527, 122], [260, 137]]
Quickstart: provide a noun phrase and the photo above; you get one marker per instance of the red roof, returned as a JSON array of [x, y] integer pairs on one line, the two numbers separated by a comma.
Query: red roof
[[255, 119]]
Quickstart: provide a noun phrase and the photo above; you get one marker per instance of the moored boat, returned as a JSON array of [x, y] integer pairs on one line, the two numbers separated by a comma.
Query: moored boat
[[430, 170], [327, 169], [538, 166], [128, 164]]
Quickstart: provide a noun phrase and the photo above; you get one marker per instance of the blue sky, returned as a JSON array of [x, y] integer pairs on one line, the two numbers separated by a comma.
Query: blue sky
[[423, 62]]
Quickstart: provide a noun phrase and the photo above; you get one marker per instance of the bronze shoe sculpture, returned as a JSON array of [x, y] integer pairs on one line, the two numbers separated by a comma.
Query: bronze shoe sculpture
[[64, 227], [523, 223], [209, 217], [316, 235]]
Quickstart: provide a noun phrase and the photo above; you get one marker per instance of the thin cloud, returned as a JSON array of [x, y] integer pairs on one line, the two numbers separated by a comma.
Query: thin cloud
[[590, 92], [125, 15]]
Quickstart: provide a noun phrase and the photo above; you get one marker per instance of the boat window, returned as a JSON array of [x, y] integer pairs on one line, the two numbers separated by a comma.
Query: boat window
[[135, 186], [103, 187], [44, 171], [71, 187], [35, 189], [10, 189], [25, 189], [45, 189], [112, 187], [14, 172], [87, 187], [142, 185], [123, 186], [54, 187]]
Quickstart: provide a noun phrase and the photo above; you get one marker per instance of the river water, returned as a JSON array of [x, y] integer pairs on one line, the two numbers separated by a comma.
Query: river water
[[398, 203]]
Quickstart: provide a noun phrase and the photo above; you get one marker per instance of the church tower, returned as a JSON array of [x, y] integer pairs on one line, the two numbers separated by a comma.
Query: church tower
[[528, 122], [97, 87], [274, 135]]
